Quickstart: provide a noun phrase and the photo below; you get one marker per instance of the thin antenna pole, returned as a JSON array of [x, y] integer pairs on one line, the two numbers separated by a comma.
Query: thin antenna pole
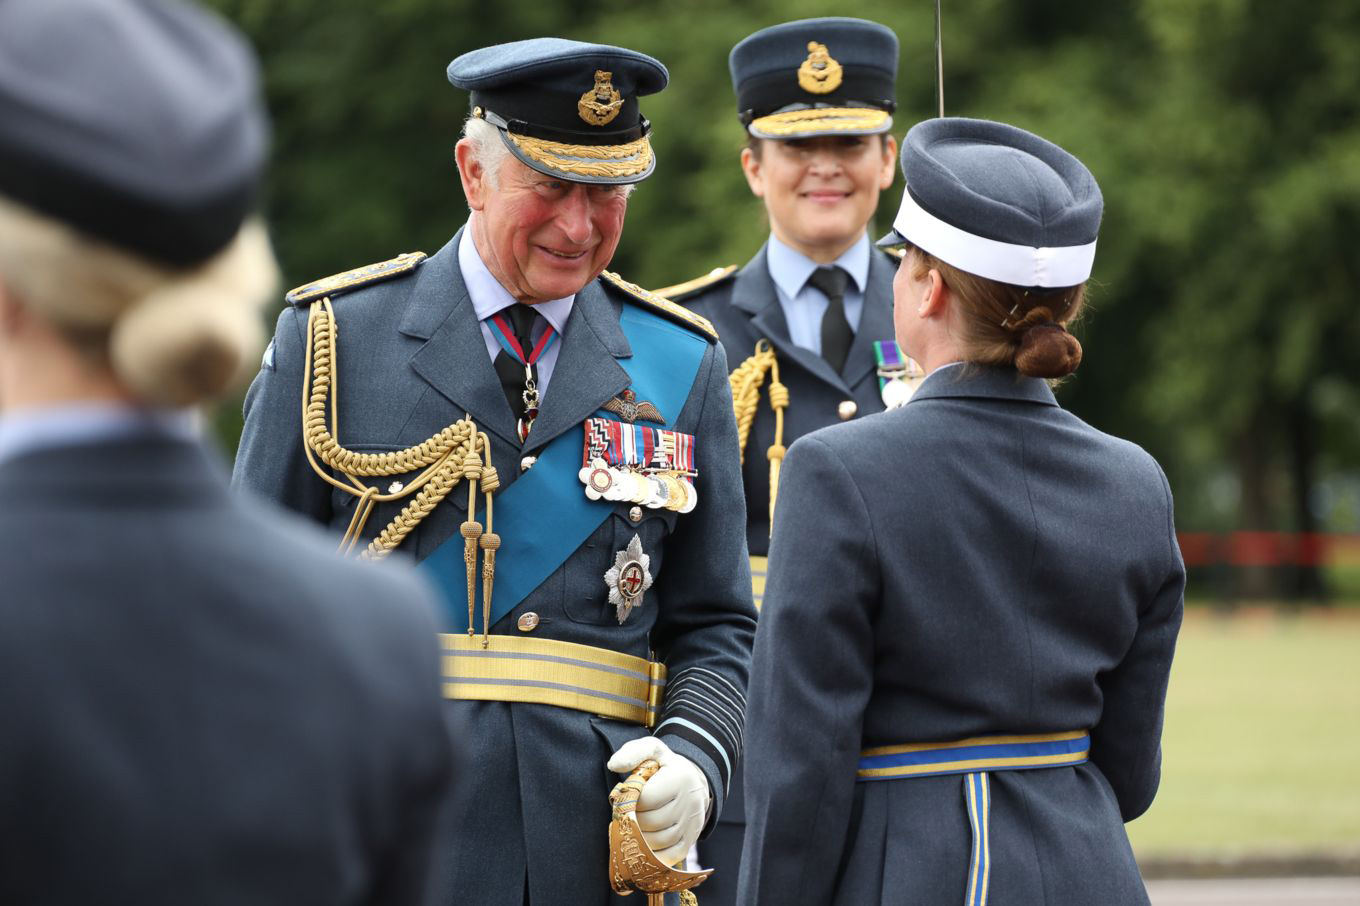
[[939, 61]]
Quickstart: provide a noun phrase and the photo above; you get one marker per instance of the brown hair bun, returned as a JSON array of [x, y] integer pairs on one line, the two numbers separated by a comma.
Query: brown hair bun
[[1048, 351]]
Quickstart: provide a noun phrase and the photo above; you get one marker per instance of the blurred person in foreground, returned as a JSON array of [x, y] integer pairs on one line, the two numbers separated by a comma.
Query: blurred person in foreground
[[556, 447], [200, 704], [973, 600], [808, 321]]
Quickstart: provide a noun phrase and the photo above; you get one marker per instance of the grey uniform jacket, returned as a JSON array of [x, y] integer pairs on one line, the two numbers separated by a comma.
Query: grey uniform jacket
[[976, 563], [412, 360], [199, 704], [745, 308]]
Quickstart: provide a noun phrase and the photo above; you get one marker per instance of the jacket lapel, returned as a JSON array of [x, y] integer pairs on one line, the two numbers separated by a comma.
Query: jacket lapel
[[586, 375], [875, 320], [754, 293], [454, 359]]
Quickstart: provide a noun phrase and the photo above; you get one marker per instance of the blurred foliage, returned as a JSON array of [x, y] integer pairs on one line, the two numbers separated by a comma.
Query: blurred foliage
[[1222, 334]]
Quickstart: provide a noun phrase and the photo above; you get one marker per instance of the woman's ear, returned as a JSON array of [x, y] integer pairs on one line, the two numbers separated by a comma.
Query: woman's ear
[[750, 165]]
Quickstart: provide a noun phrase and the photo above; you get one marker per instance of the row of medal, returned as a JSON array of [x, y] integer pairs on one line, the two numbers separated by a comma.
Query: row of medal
[[654, 490], [628, 463]]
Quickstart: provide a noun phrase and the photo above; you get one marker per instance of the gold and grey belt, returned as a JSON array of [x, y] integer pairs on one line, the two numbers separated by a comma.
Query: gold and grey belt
[[760, 566], [548, 672], [975, 758]]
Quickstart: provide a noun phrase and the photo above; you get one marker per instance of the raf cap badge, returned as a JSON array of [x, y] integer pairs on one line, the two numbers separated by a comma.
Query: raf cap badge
[[628, 578], [601, 104], [819, 73]]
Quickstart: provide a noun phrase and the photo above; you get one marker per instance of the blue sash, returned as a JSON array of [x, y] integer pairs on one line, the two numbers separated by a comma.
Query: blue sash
[[544, 516]]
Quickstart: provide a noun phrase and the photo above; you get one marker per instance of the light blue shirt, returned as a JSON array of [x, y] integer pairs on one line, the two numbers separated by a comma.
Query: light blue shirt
[[804, 305], [489, 297], [30, 430]]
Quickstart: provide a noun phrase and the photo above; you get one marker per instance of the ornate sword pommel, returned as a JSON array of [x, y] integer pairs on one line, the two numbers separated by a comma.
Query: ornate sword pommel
[[632, 864]]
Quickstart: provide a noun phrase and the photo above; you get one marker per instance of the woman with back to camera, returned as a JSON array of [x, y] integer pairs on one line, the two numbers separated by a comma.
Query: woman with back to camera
[[958, 684]]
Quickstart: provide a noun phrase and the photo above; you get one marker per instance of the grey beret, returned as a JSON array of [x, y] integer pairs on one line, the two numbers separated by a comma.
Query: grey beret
[[134, 121], [999, 202]]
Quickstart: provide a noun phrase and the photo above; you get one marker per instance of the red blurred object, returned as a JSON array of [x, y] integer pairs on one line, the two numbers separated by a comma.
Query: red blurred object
[[1262, 548]]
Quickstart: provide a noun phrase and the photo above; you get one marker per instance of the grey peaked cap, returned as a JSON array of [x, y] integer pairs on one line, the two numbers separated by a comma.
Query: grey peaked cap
[[1000, 182], [135, 121]]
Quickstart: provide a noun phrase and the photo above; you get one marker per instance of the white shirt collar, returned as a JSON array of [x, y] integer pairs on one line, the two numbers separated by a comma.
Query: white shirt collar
[[489, 297], [790, 269]]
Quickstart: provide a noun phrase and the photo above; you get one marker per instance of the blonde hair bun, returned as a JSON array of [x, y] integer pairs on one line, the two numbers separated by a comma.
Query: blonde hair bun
[[183, 344]]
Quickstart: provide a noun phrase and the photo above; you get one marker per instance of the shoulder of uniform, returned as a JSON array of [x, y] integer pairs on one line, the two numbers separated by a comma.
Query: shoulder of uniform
[[896, 253], [353, 279], [663, 306], [681, 291]]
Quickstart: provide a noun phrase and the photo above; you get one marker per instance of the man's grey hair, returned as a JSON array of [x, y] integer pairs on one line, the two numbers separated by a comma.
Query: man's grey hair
[[489, 150]]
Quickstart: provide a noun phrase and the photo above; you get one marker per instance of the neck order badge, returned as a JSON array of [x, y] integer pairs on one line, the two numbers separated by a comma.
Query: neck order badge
[[506, 336]]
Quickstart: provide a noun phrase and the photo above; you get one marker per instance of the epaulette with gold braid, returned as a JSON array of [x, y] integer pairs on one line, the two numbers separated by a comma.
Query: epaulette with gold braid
[[680, 290], [360, 276], [664, 307]]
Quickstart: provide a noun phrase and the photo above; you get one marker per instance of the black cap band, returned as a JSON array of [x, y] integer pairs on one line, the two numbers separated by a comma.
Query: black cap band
[[860, 87]]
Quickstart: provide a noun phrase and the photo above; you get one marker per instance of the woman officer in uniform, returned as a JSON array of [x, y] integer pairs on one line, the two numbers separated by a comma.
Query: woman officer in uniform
[[816, 98], [958, 683], [800, 321]]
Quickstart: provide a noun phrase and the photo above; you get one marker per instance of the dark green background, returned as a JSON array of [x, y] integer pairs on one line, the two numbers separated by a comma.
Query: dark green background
[[1223, 331]]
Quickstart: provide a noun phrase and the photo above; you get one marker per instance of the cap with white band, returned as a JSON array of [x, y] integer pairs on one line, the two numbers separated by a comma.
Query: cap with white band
[[998, 202]]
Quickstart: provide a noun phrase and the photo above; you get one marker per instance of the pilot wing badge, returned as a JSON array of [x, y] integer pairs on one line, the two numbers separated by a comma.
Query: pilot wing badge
[[629, 408]]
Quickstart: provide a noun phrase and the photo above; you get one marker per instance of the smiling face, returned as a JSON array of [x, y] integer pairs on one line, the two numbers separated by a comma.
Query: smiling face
[[541, 237], [820, 192]]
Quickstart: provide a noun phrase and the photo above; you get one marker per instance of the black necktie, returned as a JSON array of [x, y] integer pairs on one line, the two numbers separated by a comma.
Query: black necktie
[[511, 371], [836, 332]]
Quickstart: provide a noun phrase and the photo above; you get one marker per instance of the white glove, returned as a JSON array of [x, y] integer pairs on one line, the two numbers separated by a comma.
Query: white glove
[[674, 802]]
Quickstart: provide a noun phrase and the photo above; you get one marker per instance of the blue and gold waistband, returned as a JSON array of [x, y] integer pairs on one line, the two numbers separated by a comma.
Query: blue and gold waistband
[[981, 753]]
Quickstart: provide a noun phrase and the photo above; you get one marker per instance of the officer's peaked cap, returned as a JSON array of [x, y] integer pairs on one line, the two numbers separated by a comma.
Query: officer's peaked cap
[[831, 76], [566, 108]]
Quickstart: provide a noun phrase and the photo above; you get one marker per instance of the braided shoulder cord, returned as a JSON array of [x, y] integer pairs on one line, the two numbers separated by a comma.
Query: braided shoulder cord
[[745, 381], [444, 458]]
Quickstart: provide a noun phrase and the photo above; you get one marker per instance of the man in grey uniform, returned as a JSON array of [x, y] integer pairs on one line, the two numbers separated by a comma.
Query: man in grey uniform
[[200, 705], [556, 448]]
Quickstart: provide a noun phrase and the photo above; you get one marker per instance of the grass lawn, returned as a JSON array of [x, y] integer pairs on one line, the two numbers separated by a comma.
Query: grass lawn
[[1262, 743]]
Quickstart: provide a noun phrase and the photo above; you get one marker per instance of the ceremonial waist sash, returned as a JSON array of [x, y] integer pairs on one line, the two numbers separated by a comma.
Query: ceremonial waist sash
[[544, 515], [549, 672], [975, 758], [760, 566]]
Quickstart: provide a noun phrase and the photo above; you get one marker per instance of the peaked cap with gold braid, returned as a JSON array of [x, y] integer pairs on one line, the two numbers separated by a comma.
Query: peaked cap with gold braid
[[565, 108]]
